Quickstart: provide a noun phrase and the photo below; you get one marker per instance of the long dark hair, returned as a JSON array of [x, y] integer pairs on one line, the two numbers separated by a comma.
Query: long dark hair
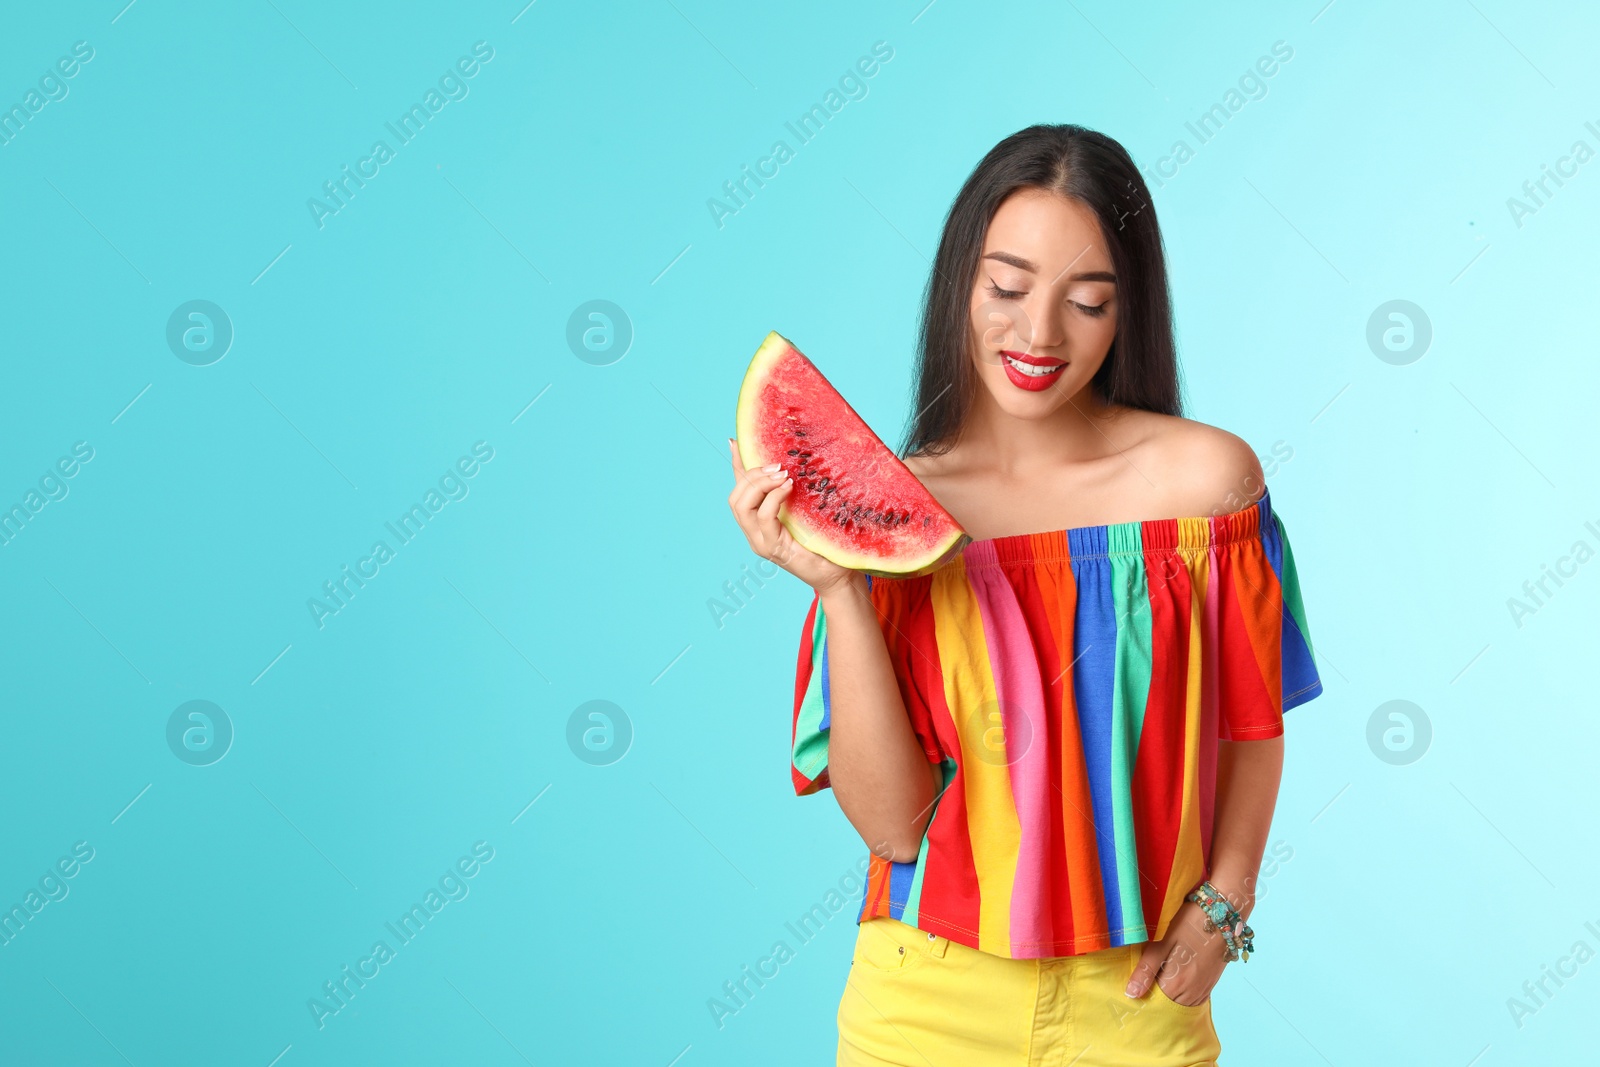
[[1141, 369]]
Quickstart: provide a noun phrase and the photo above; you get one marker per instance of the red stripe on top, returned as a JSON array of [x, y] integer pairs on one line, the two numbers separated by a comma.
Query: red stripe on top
[[950, 884], [875, 901], [1249, 632], [802, 681], [900, 607], [1039, 617]]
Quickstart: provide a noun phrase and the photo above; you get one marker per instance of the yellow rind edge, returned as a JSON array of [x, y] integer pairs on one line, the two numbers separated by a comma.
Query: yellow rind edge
[[774, 346]]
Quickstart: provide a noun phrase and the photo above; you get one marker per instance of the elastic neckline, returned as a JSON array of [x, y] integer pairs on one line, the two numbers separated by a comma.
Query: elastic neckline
[[1134, 537]]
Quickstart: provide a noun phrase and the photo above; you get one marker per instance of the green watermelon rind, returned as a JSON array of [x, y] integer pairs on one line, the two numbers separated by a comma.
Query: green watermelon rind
[[773, 349]]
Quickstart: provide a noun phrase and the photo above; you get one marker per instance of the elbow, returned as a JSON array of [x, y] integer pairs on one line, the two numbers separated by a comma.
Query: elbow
[[892, 826], [906, 845], [902, 850], [895, 851], [896, 846]]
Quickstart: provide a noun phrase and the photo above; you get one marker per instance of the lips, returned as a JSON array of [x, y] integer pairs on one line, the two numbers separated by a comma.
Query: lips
[[1031, 372]]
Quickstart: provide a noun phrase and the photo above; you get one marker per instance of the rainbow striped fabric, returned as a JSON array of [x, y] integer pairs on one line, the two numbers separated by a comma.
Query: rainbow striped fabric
[[1074, 686]]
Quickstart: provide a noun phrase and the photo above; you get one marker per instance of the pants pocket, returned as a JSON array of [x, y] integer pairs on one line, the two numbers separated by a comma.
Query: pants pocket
[[890, 946], [1157, 993], [1162, 993]]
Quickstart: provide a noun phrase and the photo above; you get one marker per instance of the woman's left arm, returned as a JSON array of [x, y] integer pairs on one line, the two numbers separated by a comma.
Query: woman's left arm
[[1247, 792], [1188, 960]]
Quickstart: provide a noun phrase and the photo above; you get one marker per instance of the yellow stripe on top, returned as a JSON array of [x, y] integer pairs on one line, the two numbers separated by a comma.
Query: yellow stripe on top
[[969, 693], [1188, 861]]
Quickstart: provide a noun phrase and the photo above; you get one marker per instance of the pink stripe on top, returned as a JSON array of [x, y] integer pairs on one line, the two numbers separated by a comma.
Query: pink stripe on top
[[1021, 692]]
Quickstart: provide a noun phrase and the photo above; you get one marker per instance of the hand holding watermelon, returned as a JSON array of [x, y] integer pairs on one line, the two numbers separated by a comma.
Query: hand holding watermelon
[[847, 498], [755, 500]]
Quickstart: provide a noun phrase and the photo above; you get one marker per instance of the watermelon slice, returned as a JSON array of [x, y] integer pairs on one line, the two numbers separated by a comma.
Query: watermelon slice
[[853, 502]]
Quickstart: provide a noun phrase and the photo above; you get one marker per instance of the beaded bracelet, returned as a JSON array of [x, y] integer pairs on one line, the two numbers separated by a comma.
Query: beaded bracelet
[[1221, 915]]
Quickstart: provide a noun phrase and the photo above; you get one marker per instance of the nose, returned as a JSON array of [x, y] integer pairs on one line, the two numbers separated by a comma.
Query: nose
[[1046, 323]]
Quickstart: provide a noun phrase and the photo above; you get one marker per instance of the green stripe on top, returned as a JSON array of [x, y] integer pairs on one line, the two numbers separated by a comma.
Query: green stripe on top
[[810, 742], [1297, 660], [1130, 687], [1289, 585]]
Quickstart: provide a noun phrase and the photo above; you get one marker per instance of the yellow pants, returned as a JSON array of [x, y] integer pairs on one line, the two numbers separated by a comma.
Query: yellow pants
[[920, 1000]]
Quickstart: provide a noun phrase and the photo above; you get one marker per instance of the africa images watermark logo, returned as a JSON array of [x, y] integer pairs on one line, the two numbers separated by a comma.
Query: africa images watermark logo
[[452, 85], [1537, 592], [338, 992], [452, 486], [52, 888], [1538, 192], [1252, 85], [52, 486], [52, 88], [852, 85], [737, 993]]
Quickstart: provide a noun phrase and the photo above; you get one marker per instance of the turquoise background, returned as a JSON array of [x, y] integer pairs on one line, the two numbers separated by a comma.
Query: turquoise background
[[369, 754]]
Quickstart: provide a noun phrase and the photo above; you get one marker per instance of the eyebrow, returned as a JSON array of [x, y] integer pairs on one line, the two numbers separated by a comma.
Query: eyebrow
[[1033, 268]]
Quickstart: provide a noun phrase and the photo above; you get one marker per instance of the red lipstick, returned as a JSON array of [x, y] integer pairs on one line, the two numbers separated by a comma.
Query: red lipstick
[[1033, 380]]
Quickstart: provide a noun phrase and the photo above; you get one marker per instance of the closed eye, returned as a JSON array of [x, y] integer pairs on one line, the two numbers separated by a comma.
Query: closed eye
[[1094, 311]]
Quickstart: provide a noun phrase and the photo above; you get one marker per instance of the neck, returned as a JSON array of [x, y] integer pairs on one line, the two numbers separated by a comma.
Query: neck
[[1073, 433]]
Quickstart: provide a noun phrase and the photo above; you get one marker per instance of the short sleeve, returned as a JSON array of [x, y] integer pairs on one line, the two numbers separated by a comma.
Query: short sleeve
[[1263, 640], [903, 619], [809, 739]]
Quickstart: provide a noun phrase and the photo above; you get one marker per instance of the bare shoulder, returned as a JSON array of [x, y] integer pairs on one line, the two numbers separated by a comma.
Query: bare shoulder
[[950, 478], [931, 467], [1210, 470]]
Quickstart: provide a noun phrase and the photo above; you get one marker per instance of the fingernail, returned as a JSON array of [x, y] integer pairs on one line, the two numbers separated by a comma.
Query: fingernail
[[1132, 990], [773, 468]]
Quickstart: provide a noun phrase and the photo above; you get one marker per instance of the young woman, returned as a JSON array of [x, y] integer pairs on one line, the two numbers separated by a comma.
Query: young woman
[[1062, 748]]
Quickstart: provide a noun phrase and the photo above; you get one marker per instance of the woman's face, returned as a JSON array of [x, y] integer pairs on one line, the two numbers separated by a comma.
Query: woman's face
[[1044, 309]]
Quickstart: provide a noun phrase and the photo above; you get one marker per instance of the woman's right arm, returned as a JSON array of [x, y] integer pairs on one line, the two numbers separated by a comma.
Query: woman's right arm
[[884, 783]]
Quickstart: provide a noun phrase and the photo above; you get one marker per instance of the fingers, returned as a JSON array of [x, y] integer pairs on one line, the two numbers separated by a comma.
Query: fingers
[[751, 485], [1144, 973], [767, 524], [743, 478], [750, 495], [749, 488], [755, 501]]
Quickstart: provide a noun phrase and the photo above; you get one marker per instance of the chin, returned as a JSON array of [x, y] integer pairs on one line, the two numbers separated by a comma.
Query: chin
[[1022, 403]]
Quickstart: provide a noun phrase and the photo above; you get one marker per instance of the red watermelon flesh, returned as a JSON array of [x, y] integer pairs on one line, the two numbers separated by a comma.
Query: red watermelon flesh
[[853, 502]]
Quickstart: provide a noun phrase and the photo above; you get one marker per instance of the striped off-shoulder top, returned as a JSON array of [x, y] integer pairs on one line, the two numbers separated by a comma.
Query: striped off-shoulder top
[[1074, 685]]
